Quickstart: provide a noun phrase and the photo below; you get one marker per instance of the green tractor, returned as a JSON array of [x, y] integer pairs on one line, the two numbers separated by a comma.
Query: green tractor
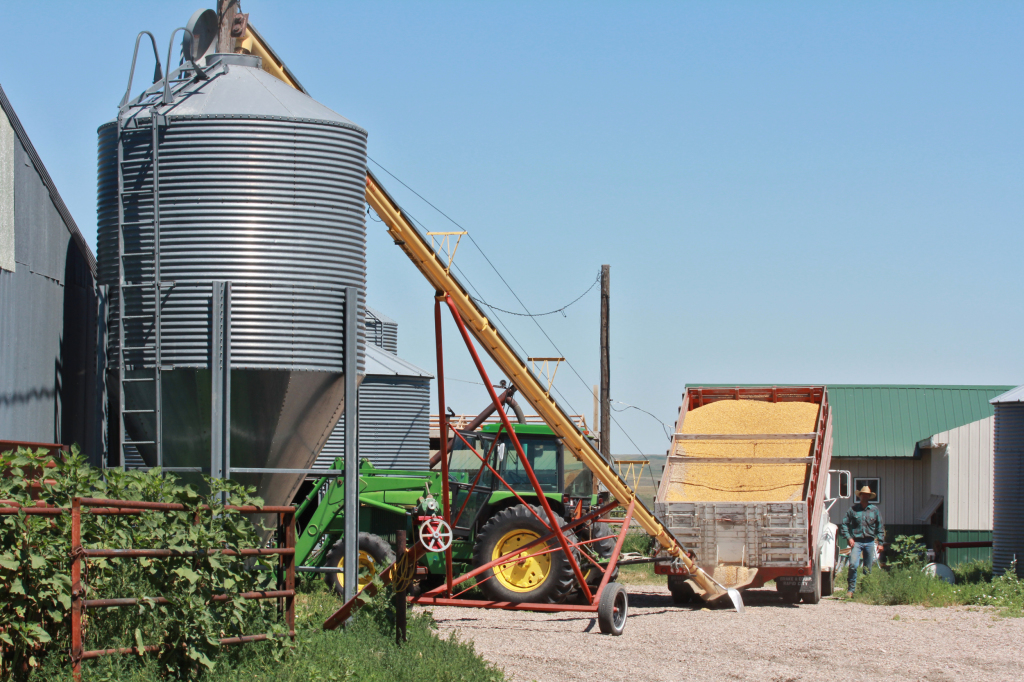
[[488, 520]]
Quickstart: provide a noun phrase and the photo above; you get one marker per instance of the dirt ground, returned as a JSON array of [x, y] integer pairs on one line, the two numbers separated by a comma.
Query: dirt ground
[[772, 642]]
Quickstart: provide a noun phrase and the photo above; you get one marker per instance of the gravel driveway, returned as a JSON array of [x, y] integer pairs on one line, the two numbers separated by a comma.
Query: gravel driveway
[[772, 641]]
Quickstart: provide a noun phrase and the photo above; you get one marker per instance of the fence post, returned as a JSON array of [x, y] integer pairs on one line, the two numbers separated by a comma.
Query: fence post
[[290, 574], [400, 603], [76, 588]]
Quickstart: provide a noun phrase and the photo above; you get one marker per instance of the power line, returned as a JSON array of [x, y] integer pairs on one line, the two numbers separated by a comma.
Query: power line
[[664, 426], [514, 294], [552, 312]]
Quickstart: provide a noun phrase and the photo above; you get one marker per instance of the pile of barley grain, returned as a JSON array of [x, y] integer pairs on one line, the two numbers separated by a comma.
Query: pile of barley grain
[[742, 482]]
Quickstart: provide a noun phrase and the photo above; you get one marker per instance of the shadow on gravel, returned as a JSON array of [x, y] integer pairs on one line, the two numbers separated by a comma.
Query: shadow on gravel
[[751, 599]]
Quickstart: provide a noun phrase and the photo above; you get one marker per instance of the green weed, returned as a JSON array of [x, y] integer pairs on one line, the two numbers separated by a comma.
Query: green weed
[[907, 583]]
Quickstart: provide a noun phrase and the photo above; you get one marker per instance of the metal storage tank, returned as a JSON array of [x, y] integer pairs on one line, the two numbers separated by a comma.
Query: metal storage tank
[[261, 187], [394, 415], [1008, 477], [381, 330]]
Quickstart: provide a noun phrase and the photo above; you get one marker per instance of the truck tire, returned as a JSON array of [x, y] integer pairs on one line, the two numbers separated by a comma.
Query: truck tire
[[374, 556], [814, 596], [544, 579], [828, 578], [613, 609], [682, 591], [790, 596]]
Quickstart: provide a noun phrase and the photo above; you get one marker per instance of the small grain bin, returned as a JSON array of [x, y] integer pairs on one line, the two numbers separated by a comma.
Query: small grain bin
[[1008, 477], [236, 201]]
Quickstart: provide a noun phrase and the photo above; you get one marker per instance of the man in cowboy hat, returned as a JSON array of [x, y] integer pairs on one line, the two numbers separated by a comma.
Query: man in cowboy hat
[[863, 528]]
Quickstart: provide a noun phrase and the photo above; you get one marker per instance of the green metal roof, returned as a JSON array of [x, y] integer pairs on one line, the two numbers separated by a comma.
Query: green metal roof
[[888, 421]]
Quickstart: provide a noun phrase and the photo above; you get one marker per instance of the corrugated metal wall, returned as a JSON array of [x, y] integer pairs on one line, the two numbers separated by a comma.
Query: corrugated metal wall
[[904, 486], [968, 458], [1008, 502], [394, 423], [48, 313], [381, 331]]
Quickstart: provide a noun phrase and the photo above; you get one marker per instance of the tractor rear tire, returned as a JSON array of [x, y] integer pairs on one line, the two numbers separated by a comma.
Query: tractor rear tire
[[544, 579], [375, 555], [603, 548], [613, 609]]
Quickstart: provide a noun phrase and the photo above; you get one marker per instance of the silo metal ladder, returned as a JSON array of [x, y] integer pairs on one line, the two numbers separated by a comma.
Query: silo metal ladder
[[142, 372], [163, 92]]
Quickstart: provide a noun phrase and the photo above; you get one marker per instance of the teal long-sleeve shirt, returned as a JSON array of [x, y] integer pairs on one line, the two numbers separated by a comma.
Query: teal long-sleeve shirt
[[861, 522]]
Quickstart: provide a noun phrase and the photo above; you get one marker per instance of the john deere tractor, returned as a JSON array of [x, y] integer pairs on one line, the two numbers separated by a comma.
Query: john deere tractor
[[487, 518]]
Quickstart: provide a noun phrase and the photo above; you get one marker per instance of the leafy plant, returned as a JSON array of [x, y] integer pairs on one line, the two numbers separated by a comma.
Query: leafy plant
[[908, 552], [975, 586], [35, 584]]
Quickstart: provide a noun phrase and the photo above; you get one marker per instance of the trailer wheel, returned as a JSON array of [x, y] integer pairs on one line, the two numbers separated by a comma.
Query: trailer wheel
[[374, 555], [543, 578], [814, 596], [613, 609]]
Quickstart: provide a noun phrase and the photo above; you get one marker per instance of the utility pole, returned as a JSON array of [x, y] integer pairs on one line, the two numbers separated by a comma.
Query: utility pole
[[596, 424], [230, 25], [606, 416]]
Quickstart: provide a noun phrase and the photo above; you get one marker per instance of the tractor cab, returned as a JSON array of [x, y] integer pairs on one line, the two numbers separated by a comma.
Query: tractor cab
[[562, 479]]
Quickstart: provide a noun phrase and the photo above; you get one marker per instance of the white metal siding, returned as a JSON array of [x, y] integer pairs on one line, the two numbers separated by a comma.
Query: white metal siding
[[968, 456], [904, 483], [6, 194]]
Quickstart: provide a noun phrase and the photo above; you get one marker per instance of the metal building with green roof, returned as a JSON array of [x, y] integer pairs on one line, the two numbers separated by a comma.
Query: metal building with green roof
[[927, 450]]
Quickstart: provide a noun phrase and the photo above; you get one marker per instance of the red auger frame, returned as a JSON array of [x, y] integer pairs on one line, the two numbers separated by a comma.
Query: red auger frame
[[446, 594]]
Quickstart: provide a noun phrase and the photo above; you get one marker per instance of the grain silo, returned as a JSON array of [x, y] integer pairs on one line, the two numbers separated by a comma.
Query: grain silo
[[231, 226], [381, 330], [394, 405], [1008, 478]]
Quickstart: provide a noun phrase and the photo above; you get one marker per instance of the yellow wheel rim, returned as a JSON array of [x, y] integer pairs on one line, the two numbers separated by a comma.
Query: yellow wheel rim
[[528, 574], [367, 570]]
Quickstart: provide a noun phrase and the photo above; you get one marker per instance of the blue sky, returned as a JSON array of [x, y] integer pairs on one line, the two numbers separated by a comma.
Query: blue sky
[[786, 192]]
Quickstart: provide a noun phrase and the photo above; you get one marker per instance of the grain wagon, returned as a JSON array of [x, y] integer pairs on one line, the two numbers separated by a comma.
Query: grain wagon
[[746, 488]]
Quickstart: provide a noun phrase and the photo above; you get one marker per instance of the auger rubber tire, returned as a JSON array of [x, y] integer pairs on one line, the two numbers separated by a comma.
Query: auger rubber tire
[[554, 588], [372, 547], [613, 609]]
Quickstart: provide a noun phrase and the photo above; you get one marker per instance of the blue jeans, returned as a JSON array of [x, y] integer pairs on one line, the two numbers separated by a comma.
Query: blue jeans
[[861, 552]]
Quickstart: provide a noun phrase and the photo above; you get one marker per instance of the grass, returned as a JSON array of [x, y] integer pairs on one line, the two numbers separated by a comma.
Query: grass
[[640, 574], [974, 586], [364, 650]]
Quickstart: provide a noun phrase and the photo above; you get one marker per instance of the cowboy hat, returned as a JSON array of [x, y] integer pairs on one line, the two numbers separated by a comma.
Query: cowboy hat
[[867, 490]]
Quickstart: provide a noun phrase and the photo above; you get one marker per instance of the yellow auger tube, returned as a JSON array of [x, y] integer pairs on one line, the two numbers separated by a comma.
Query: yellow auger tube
[[435, 270]]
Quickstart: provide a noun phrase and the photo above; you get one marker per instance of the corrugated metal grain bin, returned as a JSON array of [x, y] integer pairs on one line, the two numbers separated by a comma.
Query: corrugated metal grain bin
[[262, 187], [381, 330], [394, 415], [1008, 476]]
